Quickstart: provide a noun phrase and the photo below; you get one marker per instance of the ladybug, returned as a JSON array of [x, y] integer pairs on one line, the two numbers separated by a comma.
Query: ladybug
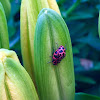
[[58, 55]]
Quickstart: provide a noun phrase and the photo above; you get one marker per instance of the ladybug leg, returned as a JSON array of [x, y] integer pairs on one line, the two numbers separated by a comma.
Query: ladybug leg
[[49, 62], [57, 45], [53, 51], [65, 47], [50, 56]]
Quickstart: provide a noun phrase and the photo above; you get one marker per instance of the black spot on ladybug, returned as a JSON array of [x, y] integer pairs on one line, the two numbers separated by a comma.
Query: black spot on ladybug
[[55, 56], [56, 52], [63, 54], [60, 51], [64, 50], [62, 47], [59, 48]]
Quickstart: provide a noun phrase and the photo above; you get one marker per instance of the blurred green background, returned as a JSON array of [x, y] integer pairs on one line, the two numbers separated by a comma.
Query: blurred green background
[[81, 17]]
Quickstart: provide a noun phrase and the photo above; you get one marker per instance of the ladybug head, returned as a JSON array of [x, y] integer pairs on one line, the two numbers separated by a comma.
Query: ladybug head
[[54, 62]]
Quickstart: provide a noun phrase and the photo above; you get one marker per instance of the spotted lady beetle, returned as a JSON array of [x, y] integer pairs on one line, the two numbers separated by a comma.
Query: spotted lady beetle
[[58, 55]]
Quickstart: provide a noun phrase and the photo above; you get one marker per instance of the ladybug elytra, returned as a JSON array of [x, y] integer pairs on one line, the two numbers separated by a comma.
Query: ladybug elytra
[[58, 55]]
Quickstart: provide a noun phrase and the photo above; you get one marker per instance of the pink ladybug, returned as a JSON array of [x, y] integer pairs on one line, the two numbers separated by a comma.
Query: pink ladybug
[[58, 55]]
